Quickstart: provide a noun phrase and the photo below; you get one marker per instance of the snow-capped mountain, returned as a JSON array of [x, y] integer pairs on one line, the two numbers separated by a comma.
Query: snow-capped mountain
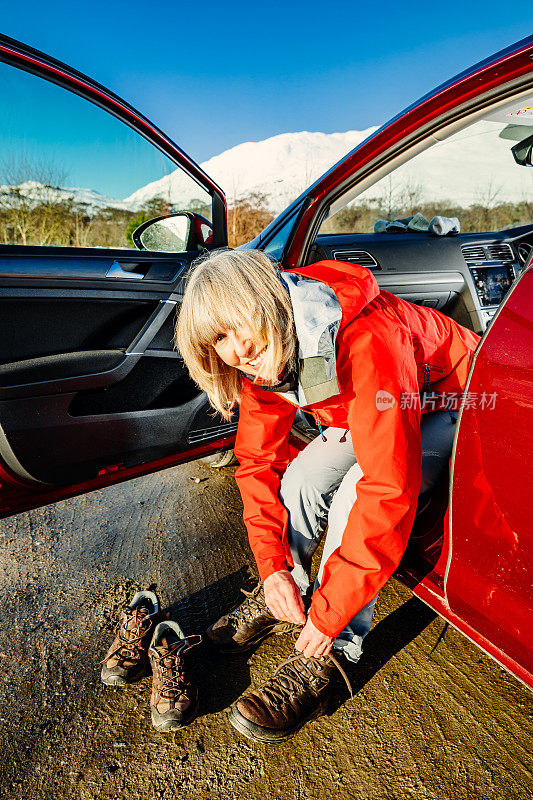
[[38, 192], [280, 168], [473, 166]]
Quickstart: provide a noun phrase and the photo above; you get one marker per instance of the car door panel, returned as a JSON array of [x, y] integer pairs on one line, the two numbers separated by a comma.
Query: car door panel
[[90, 376], [488, 577], [73, 449]]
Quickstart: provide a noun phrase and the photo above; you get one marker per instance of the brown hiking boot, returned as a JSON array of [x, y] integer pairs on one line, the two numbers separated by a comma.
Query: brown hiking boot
[[297, 693], [174, 698], [247, 625], [127, 658]]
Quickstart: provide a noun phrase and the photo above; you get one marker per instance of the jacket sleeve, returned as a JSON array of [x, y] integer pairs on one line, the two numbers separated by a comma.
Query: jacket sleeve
[[262, 449], [376, 368]]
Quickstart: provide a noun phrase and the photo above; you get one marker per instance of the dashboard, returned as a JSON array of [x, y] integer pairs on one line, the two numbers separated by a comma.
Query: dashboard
[[465, 276]]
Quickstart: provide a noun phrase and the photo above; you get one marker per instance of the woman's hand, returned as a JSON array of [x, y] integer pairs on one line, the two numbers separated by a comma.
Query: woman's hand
[[283, 597], [312, 642]]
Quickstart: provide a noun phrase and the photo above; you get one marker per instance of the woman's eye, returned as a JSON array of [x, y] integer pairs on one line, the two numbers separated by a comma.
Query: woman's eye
[[219, 338]]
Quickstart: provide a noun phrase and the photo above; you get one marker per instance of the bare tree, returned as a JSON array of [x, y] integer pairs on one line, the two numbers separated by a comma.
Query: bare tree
[[399, 199], [30, 200]]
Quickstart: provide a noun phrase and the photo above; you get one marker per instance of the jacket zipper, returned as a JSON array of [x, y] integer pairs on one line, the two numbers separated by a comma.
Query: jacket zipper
[[427, 371], [425, 388], [315, 417]]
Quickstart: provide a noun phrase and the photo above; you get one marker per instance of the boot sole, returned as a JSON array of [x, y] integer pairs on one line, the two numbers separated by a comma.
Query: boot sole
[[170, 725], [260, 734], [121, 680], [278, 629]]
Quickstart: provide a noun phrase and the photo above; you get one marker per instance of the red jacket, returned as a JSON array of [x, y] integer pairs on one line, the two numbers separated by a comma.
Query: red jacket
[[383, 349]]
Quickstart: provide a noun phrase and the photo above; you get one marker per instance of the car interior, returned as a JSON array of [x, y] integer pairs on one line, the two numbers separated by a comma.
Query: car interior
[[476, 183], [474, 176]]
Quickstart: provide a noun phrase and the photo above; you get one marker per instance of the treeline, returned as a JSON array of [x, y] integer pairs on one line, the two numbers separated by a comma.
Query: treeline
[[42, 219], [247, 218], [45, 220], [360, 217]]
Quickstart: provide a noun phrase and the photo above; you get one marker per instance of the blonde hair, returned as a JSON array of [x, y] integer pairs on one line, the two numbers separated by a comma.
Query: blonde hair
[[229, 289]]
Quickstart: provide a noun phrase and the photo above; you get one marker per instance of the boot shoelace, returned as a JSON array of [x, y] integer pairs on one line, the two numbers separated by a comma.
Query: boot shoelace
[[249, 607], [170, 667], [130, 638], [298, 675]]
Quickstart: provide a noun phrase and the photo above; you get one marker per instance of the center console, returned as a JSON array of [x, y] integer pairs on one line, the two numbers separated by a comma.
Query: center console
[[493, 269]]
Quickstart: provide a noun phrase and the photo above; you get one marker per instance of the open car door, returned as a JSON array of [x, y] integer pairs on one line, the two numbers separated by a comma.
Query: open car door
[[488, 577], [91, 388]]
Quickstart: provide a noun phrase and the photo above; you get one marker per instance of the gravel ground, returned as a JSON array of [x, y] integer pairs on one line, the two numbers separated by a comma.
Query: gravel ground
[[432, 717]]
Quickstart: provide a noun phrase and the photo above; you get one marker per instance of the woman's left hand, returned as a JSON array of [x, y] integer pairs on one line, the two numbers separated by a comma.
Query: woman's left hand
[[313, 642]]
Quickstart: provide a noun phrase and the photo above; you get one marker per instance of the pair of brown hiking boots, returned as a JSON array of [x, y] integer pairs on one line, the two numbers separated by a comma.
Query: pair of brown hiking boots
[[297, 693], [145, 643]]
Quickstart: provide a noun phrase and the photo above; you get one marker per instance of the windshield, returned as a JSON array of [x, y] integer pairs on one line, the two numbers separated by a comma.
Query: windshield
[[472, 176]]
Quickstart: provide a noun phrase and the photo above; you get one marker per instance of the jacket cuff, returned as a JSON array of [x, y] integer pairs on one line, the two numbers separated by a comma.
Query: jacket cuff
[[324, 617], [267, 568]]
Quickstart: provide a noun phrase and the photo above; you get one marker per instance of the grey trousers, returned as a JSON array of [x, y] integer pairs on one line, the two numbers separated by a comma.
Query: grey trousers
[[319, 489]]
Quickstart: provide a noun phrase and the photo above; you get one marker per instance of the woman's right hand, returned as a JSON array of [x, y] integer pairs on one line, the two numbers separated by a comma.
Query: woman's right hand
[[283, 597]]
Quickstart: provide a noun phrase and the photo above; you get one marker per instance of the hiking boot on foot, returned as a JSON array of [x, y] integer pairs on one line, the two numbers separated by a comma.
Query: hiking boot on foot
[[297, 693], [174, 698], [127, 658], [247, 625]]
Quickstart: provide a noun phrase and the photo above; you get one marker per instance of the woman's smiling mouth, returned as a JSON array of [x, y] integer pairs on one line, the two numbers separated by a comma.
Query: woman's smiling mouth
[[257, 358]]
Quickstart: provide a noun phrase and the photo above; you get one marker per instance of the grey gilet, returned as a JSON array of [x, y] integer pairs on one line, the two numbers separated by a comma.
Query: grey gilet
[[317, 318]]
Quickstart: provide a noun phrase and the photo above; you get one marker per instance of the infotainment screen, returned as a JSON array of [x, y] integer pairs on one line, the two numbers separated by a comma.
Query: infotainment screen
[[492, 283]]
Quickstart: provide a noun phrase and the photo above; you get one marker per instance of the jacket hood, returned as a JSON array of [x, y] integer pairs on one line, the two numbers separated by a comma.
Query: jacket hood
[[325, 297], [353, 285]]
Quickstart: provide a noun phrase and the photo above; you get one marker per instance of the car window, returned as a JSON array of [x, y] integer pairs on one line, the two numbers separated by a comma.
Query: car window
[[72, 174], [472, 176], [277, 243]]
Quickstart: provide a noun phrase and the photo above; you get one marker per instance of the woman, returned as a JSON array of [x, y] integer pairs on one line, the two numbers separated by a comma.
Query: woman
[[325, 339]]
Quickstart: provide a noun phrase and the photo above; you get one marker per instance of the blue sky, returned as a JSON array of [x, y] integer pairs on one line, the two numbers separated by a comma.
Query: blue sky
[[214, 74]]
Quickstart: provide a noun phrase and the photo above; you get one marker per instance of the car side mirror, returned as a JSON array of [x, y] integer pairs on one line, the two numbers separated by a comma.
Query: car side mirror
[[523, 152], [174, 233]]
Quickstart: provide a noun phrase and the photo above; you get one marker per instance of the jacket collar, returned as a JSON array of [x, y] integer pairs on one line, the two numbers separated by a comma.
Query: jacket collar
[[325, 297]]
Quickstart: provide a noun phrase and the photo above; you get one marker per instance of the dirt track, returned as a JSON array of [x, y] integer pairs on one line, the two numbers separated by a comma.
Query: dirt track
[[432, 716]]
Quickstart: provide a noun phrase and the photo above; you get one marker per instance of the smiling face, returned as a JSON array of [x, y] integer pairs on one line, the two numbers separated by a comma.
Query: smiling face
[[235, 317], [236, 347]]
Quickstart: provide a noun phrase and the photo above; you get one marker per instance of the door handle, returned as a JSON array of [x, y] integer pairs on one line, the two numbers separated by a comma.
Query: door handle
[[116, 271]]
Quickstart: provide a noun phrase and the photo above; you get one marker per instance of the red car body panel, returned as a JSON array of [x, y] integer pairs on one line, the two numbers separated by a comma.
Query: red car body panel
[[435, 601], [488, 581]]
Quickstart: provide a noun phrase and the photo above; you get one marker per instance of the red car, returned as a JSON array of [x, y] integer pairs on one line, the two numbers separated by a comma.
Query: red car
[[438, 203]]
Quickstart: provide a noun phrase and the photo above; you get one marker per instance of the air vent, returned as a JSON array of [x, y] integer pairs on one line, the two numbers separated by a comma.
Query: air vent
[[474, 252], [489, 252], [356, 257], [500, 252]]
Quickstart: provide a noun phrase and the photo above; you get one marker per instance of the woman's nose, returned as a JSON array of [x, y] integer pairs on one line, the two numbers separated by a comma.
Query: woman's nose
[[242, 345]]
